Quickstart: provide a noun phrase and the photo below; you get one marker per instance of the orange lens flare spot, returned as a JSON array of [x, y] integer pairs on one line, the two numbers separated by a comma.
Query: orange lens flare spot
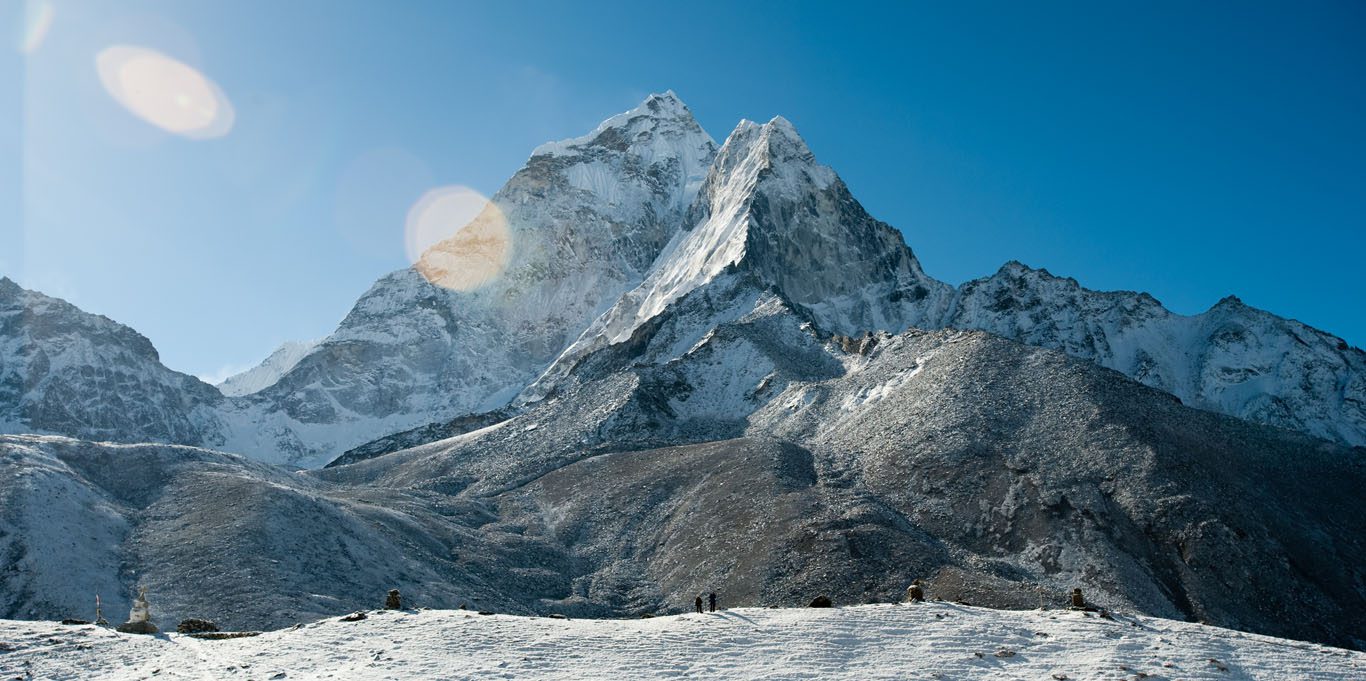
[[458, 239]]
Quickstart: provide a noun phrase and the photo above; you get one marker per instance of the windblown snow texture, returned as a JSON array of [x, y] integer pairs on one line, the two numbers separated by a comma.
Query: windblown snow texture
[[933, 640]]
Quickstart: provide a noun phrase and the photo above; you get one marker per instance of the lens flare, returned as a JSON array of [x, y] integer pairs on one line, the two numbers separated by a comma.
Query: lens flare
[[458, 239], [38, 16], [164, 92]]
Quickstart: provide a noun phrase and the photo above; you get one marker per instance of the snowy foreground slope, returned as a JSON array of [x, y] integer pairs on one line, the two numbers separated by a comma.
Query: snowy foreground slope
[[929, 641]]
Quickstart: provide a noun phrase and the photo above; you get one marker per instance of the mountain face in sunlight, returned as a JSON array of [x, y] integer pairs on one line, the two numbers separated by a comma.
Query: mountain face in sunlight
[[604, 233], [695, 368]]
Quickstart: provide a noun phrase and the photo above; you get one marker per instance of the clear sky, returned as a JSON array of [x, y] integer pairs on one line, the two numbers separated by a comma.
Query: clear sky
[[1191, 150]]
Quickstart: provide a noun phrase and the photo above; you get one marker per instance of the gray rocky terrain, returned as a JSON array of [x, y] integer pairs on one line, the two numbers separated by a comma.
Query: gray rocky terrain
[[855, 476]]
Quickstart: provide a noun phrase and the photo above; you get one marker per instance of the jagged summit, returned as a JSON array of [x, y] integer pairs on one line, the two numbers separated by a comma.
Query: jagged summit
[[769, 208], [1230, 301], [752, 149], [585, 218], [771, 214], [610, 230], [653, 128], [655, 108]]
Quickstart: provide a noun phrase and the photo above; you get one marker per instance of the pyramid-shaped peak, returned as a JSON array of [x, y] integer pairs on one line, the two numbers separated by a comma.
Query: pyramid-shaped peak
[[778, 131], [781, 126], [666, 103], [658, 115], [773, 149]]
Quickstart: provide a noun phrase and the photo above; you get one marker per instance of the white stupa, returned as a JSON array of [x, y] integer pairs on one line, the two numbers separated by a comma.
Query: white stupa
[[140, 617]]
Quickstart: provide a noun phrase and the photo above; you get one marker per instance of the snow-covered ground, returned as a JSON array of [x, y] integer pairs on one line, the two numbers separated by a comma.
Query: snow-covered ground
[[927, 641]]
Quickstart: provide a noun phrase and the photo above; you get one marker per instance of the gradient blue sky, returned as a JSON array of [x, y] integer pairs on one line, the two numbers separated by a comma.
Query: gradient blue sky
[[1191, 150]]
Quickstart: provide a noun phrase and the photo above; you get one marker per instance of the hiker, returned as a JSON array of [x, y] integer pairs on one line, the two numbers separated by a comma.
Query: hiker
[[712, 600], [698, 602]]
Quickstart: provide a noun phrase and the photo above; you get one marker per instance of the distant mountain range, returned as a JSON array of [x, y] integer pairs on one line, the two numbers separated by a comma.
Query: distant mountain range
[[703, 367], [591, 218]]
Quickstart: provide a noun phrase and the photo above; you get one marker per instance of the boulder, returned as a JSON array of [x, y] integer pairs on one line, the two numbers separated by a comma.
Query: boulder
[[196, 626]]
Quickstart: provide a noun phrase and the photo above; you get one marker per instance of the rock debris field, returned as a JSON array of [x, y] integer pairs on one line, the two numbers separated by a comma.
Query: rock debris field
[[928, 641]]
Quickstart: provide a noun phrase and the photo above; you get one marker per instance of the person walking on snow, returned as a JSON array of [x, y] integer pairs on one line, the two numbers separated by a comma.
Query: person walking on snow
[[712, 601], [698, 603]]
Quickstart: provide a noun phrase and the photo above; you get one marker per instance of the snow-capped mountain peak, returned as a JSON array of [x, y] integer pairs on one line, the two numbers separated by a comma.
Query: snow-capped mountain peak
[[661, 133], [656, 113], [268, 371], [585, 218], [770, 210], [771, 207]]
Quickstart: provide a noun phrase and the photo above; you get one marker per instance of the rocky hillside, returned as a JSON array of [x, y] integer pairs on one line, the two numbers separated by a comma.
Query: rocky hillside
[[835, 467]]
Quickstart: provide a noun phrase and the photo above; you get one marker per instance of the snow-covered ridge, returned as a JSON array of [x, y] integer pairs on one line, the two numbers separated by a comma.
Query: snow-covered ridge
[[769, 208], [268, 371], [64, 370], [1232, 358], [930, 640], [610, 229]]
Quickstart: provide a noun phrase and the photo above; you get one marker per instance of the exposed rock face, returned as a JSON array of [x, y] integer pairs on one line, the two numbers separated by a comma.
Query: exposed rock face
[[1233, 359], [606, 231], [587, 216], [770, 211], [63, 370], [1038, 472], [849, 476]]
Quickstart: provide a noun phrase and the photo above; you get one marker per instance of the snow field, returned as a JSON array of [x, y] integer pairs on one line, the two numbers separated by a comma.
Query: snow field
[[925, 641]]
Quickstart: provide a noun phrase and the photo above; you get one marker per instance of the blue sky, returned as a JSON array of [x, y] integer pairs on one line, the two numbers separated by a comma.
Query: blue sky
[[1191, 150]]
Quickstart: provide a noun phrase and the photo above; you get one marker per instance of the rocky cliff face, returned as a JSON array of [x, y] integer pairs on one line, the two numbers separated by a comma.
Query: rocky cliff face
[[604, 233], [1232, 359], [796, 468], [586, 218], [770, 210], [66, 371]]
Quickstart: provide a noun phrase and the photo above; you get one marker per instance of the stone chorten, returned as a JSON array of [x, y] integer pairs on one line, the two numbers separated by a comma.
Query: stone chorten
[[140, 618]]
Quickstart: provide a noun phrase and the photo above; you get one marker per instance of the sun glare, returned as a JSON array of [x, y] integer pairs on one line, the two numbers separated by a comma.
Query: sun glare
[[37, 20], [165, 92], [457, 238]]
